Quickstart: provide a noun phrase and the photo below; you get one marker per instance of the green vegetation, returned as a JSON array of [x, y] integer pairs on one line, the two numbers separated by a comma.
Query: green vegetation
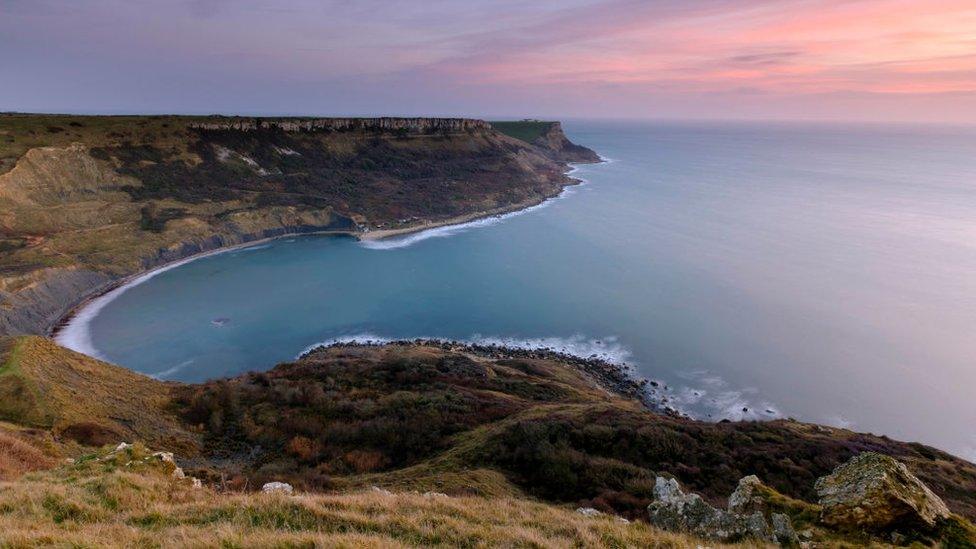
[[129, 499], [410, 416], [525, 130], [517, 439]]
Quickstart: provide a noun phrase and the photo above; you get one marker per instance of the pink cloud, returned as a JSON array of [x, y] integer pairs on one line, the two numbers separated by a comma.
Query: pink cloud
[[785, 47]]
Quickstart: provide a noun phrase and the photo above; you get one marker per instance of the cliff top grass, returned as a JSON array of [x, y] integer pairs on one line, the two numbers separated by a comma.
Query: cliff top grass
[[525, 130], [127, 499], [22, 132]]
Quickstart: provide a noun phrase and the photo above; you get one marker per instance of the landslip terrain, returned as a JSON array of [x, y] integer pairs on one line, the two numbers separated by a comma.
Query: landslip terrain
[[86, 201], [418, 443]]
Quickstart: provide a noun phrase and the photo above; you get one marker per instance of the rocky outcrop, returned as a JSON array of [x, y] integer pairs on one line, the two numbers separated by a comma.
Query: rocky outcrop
[[384, 124], [554, 144], [675, 511], [747, 497], [876, 492]]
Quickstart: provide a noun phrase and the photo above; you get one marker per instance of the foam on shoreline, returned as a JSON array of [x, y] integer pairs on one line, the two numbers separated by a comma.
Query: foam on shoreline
[[704, 396], [75, 334], [409, 239]]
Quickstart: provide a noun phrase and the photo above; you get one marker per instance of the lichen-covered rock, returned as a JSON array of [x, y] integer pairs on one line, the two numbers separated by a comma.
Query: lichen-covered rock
[[747, 497], [783, 530], [876, 492], [277, 488], [676, 511]]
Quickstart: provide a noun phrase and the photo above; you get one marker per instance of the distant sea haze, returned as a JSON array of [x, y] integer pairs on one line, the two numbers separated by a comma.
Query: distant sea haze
[[822, 272]]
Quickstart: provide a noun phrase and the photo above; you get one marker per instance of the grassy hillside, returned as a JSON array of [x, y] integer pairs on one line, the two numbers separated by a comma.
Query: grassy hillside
[[517, 439], [450, 419], [101, 501], [82, 399], [525, 130]]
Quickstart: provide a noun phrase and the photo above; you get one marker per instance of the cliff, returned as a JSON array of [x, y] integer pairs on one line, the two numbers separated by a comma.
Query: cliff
[[549, 138], [402, 126], [88, 201]]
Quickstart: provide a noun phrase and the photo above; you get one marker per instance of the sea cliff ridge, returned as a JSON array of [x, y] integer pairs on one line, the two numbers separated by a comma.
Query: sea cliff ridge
[[86, 202]]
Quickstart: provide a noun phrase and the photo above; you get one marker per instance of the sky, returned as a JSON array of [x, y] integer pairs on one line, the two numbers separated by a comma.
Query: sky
[[854, 60]]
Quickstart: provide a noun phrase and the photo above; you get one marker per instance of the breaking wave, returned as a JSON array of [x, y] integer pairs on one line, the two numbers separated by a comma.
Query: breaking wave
[[701, 395], [396, 242]]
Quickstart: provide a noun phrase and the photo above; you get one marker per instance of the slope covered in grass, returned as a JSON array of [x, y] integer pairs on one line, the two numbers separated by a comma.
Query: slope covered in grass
[[76, 397], [130, 500], [463, 420], [525, 130], [493, 428]]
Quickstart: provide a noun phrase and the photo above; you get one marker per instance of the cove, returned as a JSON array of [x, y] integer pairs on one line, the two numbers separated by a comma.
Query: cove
[[822, 272]]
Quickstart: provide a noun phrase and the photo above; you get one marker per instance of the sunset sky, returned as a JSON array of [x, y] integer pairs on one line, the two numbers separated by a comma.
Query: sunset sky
[[899, 60]]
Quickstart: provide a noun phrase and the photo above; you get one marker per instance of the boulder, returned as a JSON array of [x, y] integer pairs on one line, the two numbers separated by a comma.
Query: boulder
[[277, 488], [676, 511], [747, 497], [750, 496], [588, 512], [783, 530], [876, 492]]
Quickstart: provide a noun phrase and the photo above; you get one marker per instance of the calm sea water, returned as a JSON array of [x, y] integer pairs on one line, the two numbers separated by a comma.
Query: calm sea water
[[822, 272]]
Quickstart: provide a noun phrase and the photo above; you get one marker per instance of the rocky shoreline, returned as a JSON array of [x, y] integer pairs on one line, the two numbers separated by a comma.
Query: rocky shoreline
[[613, 378]]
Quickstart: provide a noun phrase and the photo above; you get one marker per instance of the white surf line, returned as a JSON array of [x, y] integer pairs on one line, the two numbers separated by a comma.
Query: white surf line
[[711, 400], [76, 333], [607, 349], [396, 242]]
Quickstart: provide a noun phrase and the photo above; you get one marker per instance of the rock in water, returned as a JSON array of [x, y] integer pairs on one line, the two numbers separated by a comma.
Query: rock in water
[[277, 488], [875, 492]]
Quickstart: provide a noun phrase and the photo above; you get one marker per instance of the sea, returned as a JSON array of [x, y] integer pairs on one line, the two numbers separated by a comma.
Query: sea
[[823, 272]]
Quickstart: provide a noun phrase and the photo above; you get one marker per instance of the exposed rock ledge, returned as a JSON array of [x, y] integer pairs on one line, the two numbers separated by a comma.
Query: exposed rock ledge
[[384, 124]]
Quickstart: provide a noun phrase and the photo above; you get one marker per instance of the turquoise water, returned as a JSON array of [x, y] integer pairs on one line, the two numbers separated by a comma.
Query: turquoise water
[[822, 272]]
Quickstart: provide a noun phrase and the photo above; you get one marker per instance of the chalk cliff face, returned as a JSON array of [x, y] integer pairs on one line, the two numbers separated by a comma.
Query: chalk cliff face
[[86, 201], [556, 145]]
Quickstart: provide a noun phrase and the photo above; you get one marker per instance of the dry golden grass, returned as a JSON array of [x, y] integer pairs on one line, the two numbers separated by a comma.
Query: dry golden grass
[[17, 456], [47, 386], [129, 501]]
